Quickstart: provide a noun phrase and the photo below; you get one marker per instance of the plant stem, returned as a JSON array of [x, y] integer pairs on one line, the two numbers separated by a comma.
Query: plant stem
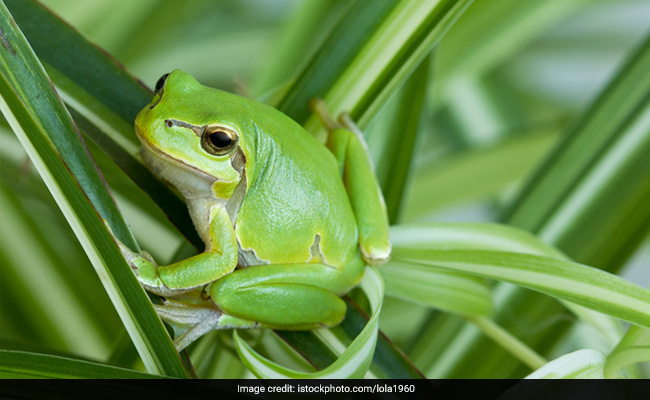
[[621, 359], [509, 342]]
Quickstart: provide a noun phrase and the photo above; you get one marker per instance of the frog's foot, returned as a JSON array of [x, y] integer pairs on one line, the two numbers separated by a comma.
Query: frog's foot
[[146, 270], [344, 120], [319, 109], [376, 255], [191, 321]]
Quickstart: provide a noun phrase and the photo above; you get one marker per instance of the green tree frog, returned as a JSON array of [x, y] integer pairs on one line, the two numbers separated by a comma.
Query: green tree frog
[[288, 223]]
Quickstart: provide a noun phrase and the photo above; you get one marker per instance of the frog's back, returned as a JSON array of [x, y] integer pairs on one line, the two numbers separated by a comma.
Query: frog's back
[[296, 209]]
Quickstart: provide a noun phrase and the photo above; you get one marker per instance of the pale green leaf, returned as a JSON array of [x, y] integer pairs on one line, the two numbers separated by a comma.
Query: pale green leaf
[[469, 237], [22, 365], [49, 136], [581, 364], [438, 288], [405, 37], [580, 284]]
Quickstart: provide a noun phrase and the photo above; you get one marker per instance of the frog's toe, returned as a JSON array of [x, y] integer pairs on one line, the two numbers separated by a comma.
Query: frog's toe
[[376, 255], [190, 321]]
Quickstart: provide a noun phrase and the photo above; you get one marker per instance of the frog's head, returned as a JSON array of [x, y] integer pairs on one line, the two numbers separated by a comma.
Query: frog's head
[[198, 138]]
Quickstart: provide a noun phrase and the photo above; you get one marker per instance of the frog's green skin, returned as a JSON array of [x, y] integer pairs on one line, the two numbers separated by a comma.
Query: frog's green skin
[[284, 236]]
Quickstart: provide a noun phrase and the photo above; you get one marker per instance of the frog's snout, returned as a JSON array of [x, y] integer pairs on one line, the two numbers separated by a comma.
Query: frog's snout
[[141, 122]]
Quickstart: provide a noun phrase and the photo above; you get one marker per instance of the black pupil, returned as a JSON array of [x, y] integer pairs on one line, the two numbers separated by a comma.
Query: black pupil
[[220, 139], [161, 82]]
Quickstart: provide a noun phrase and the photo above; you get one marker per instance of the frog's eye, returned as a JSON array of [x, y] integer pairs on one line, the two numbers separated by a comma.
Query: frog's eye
[[218, 140], [161, 82]]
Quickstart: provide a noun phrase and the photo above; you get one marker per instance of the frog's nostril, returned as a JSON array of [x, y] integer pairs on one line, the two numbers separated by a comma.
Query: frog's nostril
[[161, 82]]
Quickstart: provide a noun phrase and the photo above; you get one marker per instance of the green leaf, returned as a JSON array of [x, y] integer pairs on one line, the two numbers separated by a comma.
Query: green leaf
[[331, 59], [391, 139], [104, 99], [389, 361], [471, 238], [625, 357], [354, 361], [120, 92], [633, 348], [34, 271], [590, 198], [211, 358], [505, 26], [49, 136], [599, 170], [295, 43], [22, 365], [581, 364], [390, 53], [586, 286], [448, 291]]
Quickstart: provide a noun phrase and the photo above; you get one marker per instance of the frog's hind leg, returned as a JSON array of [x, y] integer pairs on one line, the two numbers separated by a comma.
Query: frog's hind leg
[[287, 296], [191, 321], [346, 142]]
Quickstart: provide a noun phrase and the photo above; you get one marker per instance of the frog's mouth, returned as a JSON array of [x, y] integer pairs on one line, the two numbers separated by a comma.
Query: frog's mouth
[[166, 166], [156, 158]]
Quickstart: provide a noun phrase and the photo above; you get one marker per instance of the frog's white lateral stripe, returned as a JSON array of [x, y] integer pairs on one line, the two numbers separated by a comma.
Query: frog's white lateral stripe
[[316, 253], [248, 257]]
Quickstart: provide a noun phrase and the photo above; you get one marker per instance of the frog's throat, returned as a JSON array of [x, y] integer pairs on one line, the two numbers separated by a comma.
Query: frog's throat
[[189, 180], [194, 183]]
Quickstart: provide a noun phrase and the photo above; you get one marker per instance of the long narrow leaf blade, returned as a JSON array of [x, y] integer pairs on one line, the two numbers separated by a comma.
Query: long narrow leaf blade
[[586, 286], [31, 267], [389, 55], [392, 139], [448, 291], [104, 96], [468, 292], [581, 364], [591, 194], [45, 129], [22, 365], [329, 62]]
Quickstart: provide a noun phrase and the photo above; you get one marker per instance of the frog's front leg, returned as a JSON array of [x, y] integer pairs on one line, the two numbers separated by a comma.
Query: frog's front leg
[[287, 296], [218, 259], [346, 142]]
